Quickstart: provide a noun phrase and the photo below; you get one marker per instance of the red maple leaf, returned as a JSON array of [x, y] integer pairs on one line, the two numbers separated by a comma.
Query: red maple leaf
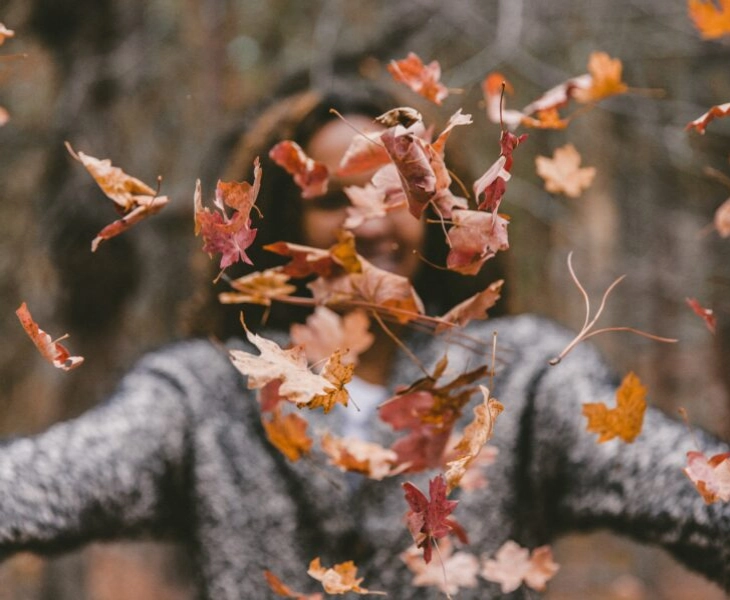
[[229, 236], [311, 176], [428, 519]]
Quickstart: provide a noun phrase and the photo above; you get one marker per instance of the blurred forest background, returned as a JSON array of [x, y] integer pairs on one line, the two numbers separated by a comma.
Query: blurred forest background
[[152, 85]]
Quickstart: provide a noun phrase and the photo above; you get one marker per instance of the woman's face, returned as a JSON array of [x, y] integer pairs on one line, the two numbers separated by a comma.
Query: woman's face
[[388, 242]]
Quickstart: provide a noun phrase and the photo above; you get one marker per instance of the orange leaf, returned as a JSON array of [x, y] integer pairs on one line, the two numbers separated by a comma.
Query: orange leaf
[[422, 79], [562, 173], [134, 199], [5, 33], [716, 112], [281, 589], [358, 456], [339, 579], [288, 433], [337, 374], [260, 287], [605, 79], [711, 18], [51, 350], [626, 419]]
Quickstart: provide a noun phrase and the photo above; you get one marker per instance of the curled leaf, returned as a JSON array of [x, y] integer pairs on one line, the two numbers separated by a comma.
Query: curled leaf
[[339, 579], [711, 476], [133, 199], [476, 435], [422, 79], [706, 314], [311, 176], [716, 112], [51, 350]]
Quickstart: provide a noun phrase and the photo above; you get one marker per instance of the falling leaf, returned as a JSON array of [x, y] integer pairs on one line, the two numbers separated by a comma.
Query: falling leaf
[[359, 456], [711, 476], [474, 307], [460, 568], [338, 374], [429, 411], [260, 287], [494, 100], [706, 314], [382, 290], [422, 79], [412, 157], [133, 199], [428, 518], [311, 176], [512, 565], [476, 435], [51, 350], [4, 116], [298, 383], [339, 579], [623, 421], [475, 237], [288, 433], [281, 589], [368, 202], [325, 331], [229, 236], [364, 154], [562, 173], [722, 219], [716, 112], [712, 18], [605, 81], [474, 478], [5, 33]]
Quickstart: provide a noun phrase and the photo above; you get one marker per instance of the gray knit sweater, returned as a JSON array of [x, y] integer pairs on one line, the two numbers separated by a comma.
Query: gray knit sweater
[[179, 451]]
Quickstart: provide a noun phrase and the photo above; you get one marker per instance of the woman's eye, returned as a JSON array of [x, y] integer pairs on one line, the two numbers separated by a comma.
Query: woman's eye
[[330, 201]]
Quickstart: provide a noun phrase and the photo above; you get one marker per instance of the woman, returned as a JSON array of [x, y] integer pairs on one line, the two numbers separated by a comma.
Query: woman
[[179, 448]]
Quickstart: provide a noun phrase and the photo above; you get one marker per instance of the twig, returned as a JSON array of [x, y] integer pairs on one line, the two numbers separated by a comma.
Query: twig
[[588, 323]]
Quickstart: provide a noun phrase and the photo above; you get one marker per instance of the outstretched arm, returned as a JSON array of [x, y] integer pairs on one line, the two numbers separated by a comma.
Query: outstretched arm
[[117, 470], [570, 482]]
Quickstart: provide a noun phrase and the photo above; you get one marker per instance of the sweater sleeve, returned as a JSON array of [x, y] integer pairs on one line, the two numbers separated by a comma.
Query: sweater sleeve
[[570, 482], [117, 471]]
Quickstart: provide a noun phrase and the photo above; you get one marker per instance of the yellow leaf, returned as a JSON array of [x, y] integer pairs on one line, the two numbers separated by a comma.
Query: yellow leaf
[[712, 20], [626, 419]]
